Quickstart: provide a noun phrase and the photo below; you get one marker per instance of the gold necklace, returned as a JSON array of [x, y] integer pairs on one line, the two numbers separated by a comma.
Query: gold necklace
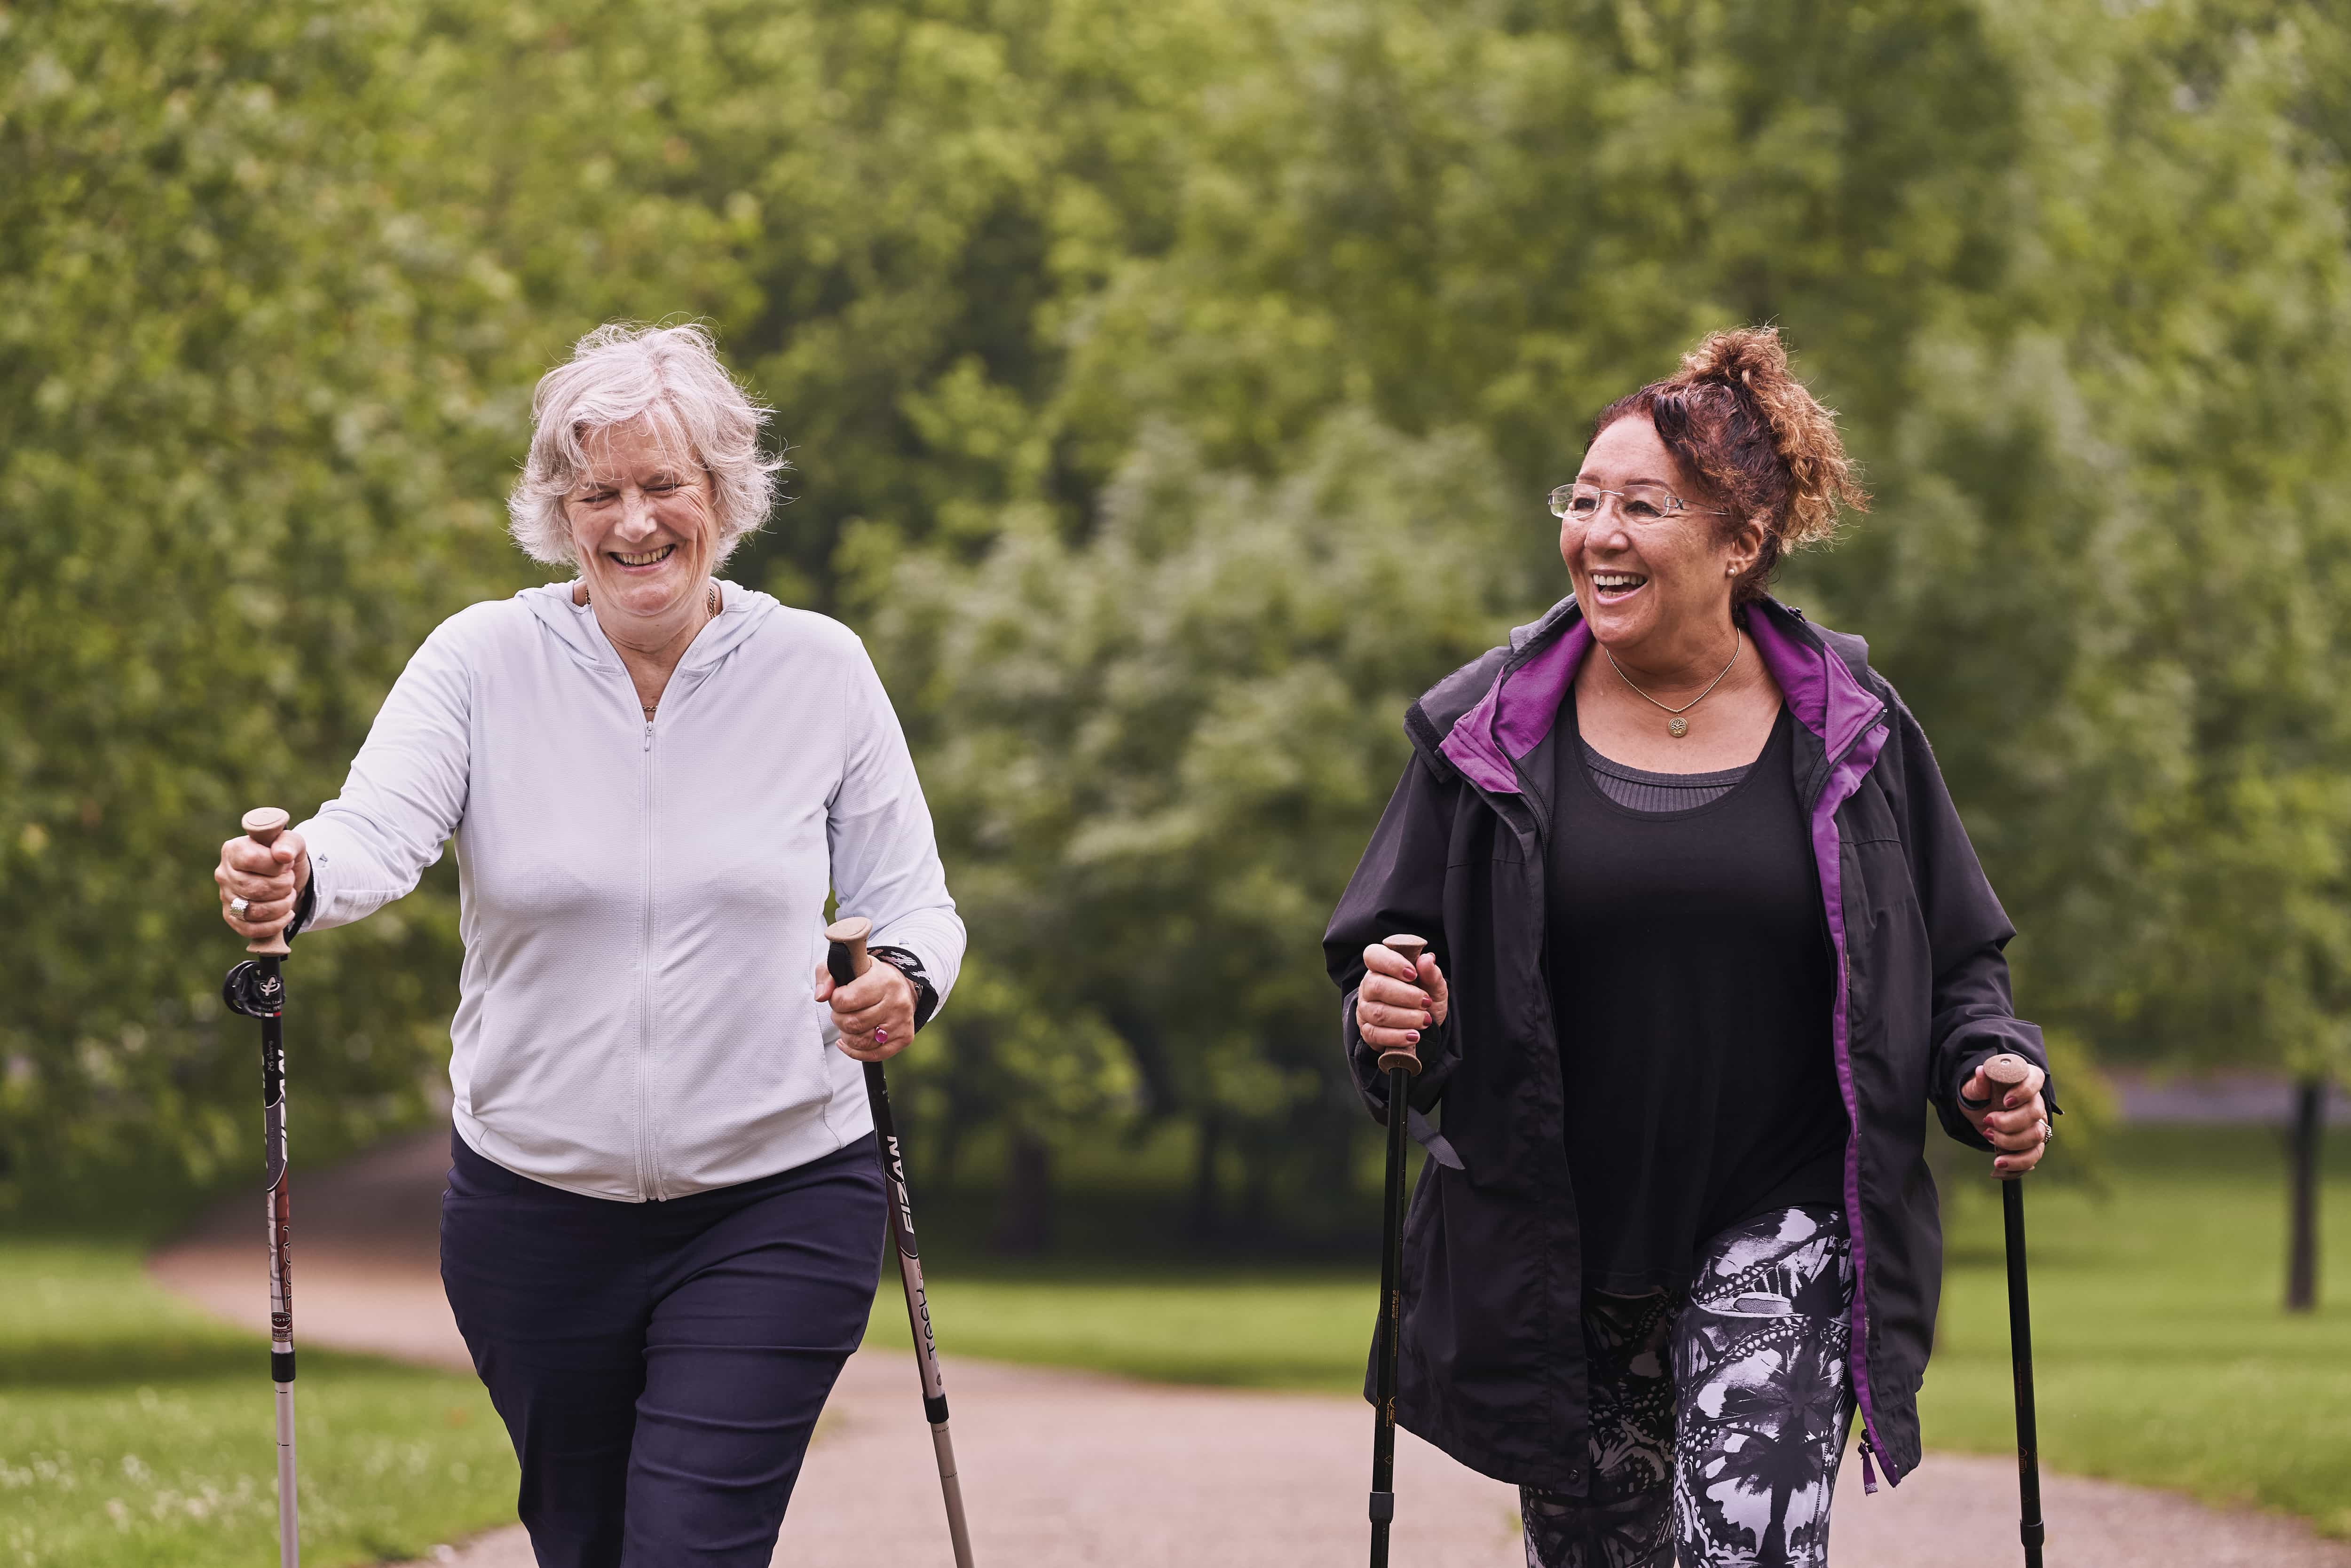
[[1677, 726], [709, 603], [710, 613]]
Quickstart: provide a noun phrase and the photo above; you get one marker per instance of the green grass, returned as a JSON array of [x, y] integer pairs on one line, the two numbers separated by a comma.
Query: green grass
[[134, 1432], [2163, 1356], [2160, 1350]]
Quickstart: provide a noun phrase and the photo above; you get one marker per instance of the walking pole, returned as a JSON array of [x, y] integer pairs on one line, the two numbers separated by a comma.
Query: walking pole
[[2008, 1072], [1401, 1066], [846, 958], [256, 989]]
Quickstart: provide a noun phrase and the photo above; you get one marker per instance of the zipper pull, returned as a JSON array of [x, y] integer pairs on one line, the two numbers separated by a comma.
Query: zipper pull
[[1868, 1470], [649, 735]]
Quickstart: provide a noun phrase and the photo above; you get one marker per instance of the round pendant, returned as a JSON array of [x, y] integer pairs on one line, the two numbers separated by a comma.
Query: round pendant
[[1677, 727]]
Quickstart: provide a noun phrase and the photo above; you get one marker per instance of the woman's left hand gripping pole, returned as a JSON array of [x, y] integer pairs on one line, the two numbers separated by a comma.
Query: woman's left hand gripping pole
[[257, 990]]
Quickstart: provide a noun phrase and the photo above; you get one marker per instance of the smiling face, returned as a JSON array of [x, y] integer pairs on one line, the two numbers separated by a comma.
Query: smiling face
[[642, 521], [1649, 579]]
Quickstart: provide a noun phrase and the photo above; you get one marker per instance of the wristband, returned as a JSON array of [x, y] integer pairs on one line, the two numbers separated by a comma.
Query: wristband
[[926, 996]]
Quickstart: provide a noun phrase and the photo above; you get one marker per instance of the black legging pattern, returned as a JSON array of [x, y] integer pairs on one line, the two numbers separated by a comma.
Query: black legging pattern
[[1718, 1412]]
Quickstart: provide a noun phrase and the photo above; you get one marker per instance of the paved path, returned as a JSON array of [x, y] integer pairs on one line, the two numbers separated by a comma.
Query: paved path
[[2239, 1099], [1073, 1470]]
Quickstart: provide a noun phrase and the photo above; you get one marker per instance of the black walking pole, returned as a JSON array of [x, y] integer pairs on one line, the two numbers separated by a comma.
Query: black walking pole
[[2008, 1072], [1400, 1065], [256, 989], [846, 958]]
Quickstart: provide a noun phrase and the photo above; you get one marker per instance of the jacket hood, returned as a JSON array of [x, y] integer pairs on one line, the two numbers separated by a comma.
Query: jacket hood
[[1484, 718], [741, 611]]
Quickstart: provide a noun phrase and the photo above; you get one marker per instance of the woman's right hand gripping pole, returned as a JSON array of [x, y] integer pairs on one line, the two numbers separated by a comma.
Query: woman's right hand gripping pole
[[1396, 1002], [259, 882]]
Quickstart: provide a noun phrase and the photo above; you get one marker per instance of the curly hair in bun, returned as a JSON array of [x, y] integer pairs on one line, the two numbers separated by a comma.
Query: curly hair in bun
[[1747, 428]]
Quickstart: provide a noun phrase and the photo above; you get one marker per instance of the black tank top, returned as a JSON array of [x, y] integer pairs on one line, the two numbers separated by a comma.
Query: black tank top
[[1692, 984]]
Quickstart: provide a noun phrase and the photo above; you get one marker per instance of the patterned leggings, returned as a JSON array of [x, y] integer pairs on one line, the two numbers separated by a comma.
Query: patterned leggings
[[1718, 1412]]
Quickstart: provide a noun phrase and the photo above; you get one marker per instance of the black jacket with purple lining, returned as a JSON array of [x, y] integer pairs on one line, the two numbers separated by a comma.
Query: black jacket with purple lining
[[1491, 1367]]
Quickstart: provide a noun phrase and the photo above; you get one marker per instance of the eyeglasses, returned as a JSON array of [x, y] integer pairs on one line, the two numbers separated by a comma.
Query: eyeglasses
[[1634, 503]]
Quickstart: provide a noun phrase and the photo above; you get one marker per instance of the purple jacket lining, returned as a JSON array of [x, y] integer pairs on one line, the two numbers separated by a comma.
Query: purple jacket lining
[[1518, 711]]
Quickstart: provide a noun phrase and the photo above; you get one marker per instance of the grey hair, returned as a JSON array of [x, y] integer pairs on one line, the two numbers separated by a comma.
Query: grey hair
[[669, 377]]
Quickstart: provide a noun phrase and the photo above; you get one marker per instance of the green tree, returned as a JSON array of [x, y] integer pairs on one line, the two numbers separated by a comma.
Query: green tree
[[1128, 354], [2078, 281], [1155, 753], [892, 212], [246, 395], [275, 283]]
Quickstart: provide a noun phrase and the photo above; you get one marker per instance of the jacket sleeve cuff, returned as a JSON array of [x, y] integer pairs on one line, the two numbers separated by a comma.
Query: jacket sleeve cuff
[[1948, 1106], [1363, 1063]]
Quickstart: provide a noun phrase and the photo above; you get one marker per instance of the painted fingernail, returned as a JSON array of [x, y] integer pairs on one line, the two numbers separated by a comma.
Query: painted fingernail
[[1413, 1035]]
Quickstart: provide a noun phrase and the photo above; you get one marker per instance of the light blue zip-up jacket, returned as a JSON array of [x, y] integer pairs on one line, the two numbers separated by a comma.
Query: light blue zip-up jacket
[[643, 903]]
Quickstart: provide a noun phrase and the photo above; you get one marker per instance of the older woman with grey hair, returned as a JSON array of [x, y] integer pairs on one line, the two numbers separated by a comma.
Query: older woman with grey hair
[[661, 1232]]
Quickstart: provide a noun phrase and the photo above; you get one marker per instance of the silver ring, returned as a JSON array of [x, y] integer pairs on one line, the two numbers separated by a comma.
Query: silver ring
[[2048, 1130], [238, 906]]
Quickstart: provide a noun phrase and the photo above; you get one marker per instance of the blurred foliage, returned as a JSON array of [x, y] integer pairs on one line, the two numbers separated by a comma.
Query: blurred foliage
[[249, 402], [1150, 753], [1170, 388]]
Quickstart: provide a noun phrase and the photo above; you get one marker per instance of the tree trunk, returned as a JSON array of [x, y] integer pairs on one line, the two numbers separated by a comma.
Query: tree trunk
[[2302, 1243], [1257, 1193], [1204, 1179], [1025, 1226], [950, 1147]]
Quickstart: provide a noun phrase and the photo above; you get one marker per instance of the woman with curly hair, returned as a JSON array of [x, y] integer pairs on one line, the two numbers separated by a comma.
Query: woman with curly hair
[[1706, 940]]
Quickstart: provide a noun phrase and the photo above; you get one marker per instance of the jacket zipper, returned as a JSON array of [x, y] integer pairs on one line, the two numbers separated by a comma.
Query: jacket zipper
[[648, 1178]]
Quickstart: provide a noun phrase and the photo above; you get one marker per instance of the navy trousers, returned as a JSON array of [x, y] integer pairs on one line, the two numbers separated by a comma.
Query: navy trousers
[[660, 1366]]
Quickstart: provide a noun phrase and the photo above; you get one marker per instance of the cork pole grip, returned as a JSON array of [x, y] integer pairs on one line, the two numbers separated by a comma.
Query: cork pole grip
[[847, 939], [262, 825], [2007, 1069], [1410, 948]]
